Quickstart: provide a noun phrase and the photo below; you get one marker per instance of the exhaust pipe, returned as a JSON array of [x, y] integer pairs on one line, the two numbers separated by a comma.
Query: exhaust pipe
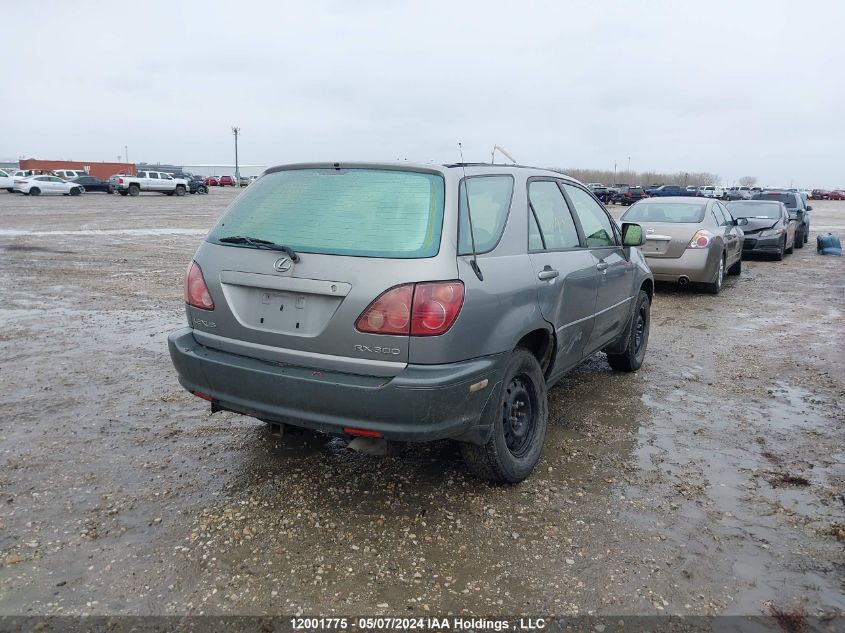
[[683, 280]]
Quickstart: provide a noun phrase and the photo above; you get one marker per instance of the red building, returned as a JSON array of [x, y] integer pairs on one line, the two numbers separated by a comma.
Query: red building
[[100, 170]]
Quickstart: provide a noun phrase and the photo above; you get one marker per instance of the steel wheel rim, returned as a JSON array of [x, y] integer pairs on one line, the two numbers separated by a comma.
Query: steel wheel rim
[[519, 408], [639, 331]]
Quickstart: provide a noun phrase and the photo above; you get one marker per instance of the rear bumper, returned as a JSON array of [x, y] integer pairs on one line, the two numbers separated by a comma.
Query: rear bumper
[[423, 402], [698, 265]]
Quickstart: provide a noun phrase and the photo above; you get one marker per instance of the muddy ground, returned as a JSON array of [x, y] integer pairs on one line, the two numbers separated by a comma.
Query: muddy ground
[[710, 482]]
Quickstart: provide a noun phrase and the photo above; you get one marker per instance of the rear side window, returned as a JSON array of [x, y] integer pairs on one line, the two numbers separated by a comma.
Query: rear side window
[[595, 222], [489, 202], [550, 225], [357, 212], [789, 199]]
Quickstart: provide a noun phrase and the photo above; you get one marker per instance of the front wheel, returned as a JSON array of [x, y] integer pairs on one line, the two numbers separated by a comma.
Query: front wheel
[[180, 190], [736, 269], [519, 424], [631, 359], [202, 189]]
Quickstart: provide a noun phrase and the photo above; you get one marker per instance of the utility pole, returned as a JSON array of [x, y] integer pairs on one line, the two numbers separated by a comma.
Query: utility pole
[[126, 152], [236, 130], [629, 165]]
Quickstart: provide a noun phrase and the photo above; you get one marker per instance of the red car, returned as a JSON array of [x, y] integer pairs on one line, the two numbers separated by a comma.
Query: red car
[[227, 181], [212, 181], [836, 195]]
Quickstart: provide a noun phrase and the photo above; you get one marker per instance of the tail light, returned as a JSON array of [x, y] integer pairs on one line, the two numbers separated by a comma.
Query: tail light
[[701, 239], [425, 309], [120, 181], [196, 292]]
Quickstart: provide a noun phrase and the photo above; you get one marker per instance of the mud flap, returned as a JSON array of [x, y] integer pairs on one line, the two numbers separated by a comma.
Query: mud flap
[[480, 432]]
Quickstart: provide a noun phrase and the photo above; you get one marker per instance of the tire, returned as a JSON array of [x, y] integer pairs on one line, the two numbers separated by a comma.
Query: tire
[[110, 191], [10, 190], [781, 253], [134, 190], [202, 190], [75, 191], [180, 190], [35, 191], [519, 424], [736, 269], [123, 192], [715, 287], [799, 238], [637, 334]]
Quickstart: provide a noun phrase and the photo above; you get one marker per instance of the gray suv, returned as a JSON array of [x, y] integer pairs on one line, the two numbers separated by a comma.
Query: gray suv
[[411, 302]]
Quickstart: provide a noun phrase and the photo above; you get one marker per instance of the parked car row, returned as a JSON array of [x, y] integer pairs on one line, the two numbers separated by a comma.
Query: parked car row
[[823, 194]]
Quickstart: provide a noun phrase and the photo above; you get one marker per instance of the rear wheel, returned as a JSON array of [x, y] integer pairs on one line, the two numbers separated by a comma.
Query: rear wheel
[[75, 191], [637, 334], [134, 190], [123, 192], [715, 287], [35, 191], [519, 424]]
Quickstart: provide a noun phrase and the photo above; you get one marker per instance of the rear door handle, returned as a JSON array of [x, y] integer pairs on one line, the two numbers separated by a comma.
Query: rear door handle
[[602, 266], [547, 273]]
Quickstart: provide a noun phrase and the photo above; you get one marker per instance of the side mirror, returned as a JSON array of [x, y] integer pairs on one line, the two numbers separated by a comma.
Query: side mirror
[[632, 234], [809, 208], [741, 221]]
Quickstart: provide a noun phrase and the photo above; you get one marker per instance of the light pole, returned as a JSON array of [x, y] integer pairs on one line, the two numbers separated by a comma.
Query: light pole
[[629, 165], [126, 152], [236, 130]]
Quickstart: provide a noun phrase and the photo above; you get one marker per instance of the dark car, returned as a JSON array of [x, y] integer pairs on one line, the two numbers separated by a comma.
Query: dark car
[[227, 181], [798, 211], [820, 194], [92, 183], [769, 231], [196, 184], [670, 190], [628, 195]]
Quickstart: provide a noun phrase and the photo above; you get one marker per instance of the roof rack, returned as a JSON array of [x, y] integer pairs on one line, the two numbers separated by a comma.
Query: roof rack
[[502, 165]]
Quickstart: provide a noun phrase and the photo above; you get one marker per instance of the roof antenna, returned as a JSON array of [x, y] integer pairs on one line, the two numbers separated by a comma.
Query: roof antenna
[[474, 262]]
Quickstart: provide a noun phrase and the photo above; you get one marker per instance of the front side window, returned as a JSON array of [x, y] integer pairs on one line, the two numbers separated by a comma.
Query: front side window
[[550, 226], [594, 221], [489, 204], [3, 174], [356, 212]]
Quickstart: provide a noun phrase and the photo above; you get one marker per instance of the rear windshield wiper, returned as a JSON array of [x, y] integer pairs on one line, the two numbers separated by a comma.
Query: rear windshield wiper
[[259, 243]]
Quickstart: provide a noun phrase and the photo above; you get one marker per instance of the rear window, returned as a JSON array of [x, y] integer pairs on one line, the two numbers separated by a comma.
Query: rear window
[[754, 210], [789, 199], [672, 212], [357, 212]]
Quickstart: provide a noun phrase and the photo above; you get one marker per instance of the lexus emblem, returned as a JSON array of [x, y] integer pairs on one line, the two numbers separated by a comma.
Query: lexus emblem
[[283, 264]]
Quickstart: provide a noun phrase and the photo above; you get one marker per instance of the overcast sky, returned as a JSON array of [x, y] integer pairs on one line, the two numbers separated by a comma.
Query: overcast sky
[[736, 88]]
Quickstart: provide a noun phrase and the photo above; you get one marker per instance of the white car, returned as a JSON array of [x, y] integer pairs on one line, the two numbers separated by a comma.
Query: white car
[[712, 191], [69, 174], [7, 182], [36, 185]]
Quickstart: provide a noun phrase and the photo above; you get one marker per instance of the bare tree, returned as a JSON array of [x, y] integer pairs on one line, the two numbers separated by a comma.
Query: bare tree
[[645, 178], [748, 181]]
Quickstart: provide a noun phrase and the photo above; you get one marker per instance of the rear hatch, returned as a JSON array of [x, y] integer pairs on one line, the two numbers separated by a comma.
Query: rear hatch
[[355, 232], [669, 226]]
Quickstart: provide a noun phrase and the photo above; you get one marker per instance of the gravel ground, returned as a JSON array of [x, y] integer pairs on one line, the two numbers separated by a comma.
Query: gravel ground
[[710, 482]]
